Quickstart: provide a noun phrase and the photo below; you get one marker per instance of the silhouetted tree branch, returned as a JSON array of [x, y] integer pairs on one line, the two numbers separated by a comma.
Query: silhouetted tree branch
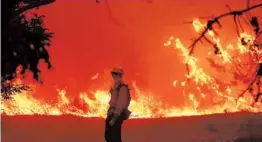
[[10, 89], [110, 13], [34, 4], [24, 42], [253, 23], [210, 23]]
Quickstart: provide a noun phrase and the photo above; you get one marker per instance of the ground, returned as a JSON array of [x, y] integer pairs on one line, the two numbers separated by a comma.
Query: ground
[[210, 128]]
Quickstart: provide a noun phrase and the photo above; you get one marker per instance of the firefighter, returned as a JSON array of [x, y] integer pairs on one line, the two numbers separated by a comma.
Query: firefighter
[[118, 107]]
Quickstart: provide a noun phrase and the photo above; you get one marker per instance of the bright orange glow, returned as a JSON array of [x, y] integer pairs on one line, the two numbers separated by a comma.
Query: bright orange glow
[[204, 93]]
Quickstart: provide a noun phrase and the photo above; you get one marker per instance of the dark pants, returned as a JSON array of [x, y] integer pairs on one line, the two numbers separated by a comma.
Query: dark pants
[[113, 133]]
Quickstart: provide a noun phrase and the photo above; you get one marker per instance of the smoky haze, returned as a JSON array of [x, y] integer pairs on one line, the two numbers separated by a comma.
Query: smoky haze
[[89, 39]]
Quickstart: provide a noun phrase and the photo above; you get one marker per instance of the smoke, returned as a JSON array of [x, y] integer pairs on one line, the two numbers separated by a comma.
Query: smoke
[[87, 42]]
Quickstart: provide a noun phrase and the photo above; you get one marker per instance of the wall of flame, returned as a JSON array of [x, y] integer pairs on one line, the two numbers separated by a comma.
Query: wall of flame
[[90, 39]]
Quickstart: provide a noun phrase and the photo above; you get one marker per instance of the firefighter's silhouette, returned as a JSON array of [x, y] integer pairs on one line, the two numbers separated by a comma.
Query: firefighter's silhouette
[[118, 109]]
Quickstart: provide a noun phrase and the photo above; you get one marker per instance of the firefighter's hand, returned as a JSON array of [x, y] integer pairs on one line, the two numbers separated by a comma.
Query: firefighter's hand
[[112, 121]]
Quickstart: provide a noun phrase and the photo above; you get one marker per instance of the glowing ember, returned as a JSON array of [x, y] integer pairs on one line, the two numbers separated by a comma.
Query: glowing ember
[[206, 94]]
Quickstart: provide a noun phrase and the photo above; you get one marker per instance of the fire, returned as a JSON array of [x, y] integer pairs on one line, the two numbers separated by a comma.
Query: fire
[[204, 93]]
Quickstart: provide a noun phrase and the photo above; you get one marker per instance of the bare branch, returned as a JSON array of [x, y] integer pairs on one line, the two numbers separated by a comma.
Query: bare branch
[[240, 25], [248, 88], [211, 22], [237, 29], [34, 4], [236, 15]]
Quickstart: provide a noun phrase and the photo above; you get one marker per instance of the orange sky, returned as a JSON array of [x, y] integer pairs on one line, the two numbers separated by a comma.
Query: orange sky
[[88, 41]]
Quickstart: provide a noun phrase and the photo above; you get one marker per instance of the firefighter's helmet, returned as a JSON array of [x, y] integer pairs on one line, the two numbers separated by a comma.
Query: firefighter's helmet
[[118, 70]]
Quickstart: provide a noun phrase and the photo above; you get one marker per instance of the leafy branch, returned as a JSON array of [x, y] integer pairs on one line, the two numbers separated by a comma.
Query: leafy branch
[[8, 90]]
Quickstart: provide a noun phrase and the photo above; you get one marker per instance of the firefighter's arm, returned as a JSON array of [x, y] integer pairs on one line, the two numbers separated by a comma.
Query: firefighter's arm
[[121, 101]]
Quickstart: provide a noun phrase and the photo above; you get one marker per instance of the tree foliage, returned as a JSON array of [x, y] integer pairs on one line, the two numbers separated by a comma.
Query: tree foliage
[[24, 42]]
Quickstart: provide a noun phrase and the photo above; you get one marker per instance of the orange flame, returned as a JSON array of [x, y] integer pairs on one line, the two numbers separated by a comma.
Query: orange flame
[[207, 90]]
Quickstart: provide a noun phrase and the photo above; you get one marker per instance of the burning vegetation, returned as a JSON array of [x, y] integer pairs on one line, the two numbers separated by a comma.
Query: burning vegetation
[[205, 93]]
